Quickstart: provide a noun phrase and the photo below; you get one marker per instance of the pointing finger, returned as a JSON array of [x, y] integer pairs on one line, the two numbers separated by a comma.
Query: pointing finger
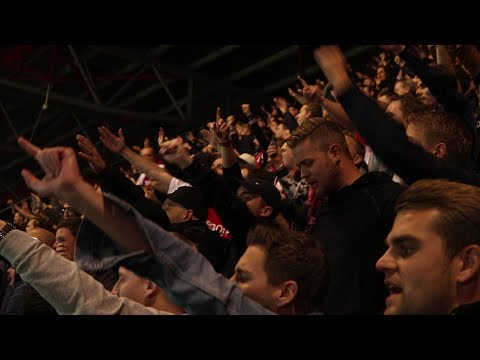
[[302, 81], [28, 147]]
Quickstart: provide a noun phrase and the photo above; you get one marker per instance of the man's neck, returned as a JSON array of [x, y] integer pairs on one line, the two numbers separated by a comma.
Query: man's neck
[[348, 175]]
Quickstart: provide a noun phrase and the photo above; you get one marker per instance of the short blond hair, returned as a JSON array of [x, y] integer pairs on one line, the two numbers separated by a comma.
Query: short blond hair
[[323, 134], [445, 128]]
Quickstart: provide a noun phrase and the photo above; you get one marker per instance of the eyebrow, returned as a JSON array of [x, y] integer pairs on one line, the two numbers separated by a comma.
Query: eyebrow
[[403, 239], [242, 272], [305, 160]]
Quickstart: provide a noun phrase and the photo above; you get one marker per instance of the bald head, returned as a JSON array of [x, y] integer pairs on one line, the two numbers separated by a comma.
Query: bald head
[[43, 235]]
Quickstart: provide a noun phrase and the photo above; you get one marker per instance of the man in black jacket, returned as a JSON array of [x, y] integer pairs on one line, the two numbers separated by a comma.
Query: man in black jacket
[[353, 220]]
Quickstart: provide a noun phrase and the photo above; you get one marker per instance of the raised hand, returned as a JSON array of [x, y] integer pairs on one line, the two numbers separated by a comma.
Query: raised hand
[[221, 129], [333, 64], [281, 104], [113, 143], [173, 152], [210, 136], [147, 143], [60, 166], [312, 93], [90, 153], [161, 136], [62, 250], [297, 96]]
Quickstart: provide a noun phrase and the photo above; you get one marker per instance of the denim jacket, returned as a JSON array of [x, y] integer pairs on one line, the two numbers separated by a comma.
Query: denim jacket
[[187, 277]]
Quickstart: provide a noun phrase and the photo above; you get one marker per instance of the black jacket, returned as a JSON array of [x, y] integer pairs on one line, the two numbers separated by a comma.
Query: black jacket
[[352, 226], [467, 309], [391, 145]]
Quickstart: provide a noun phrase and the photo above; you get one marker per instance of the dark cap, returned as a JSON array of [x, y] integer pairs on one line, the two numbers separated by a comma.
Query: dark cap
[[266, 190], [191, 199]]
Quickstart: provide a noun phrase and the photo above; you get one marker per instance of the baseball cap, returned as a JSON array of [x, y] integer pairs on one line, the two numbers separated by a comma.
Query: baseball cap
[[191, 199], [266, 190]]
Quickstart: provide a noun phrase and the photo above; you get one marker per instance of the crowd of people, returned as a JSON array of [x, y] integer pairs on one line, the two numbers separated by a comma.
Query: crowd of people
[[358, 195]]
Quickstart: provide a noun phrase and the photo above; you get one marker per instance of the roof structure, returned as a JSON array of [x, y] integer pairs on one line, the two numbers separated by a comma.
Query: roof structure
[[50, 93]]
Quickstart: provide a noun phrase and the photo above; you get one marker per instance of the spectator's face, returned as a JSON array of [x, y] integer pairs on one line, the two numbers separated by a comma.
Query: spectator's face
[[68, 212], [282, 132], [244, 130], [18, 219], [293, 111], [130, 285], [65, 243], [419, 275], [401, 88], [287, 157], [302, 115], [254, 202], [251, 277], [381, 74], [425, 95], [316, 167]]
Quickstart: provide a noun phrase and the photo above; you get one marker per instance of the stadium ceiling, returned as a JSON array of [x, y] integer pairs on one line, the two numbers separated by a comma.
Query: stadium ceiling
[[49, 93]]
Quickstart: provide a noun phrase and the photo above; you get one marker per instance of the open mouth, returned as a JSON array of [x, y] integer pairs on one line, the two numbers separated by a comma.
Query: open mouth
[[393, 291]]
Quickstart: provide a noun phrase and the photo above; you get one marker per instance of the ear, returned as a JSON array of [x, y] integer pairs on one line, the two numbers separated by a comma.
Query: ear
[[469, 263], [289, 290], [357, 159], [266, 211], [440, 150], [151, 291], [334, 152], [188, 215]]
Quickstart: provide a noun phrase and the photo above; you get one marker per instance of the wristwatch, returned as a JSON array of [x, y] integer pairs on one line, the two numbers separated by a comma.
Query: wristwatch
[[6, 229]]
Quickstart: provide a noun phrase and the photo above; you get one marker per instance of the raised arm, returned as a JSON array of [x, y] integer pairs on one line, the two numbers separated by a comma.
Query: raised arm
[[257, 132], [388, 140], [24, 212], [112, 181], [313, 94], [63, 180], [61, 282], [117, 145], [186, 275]]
